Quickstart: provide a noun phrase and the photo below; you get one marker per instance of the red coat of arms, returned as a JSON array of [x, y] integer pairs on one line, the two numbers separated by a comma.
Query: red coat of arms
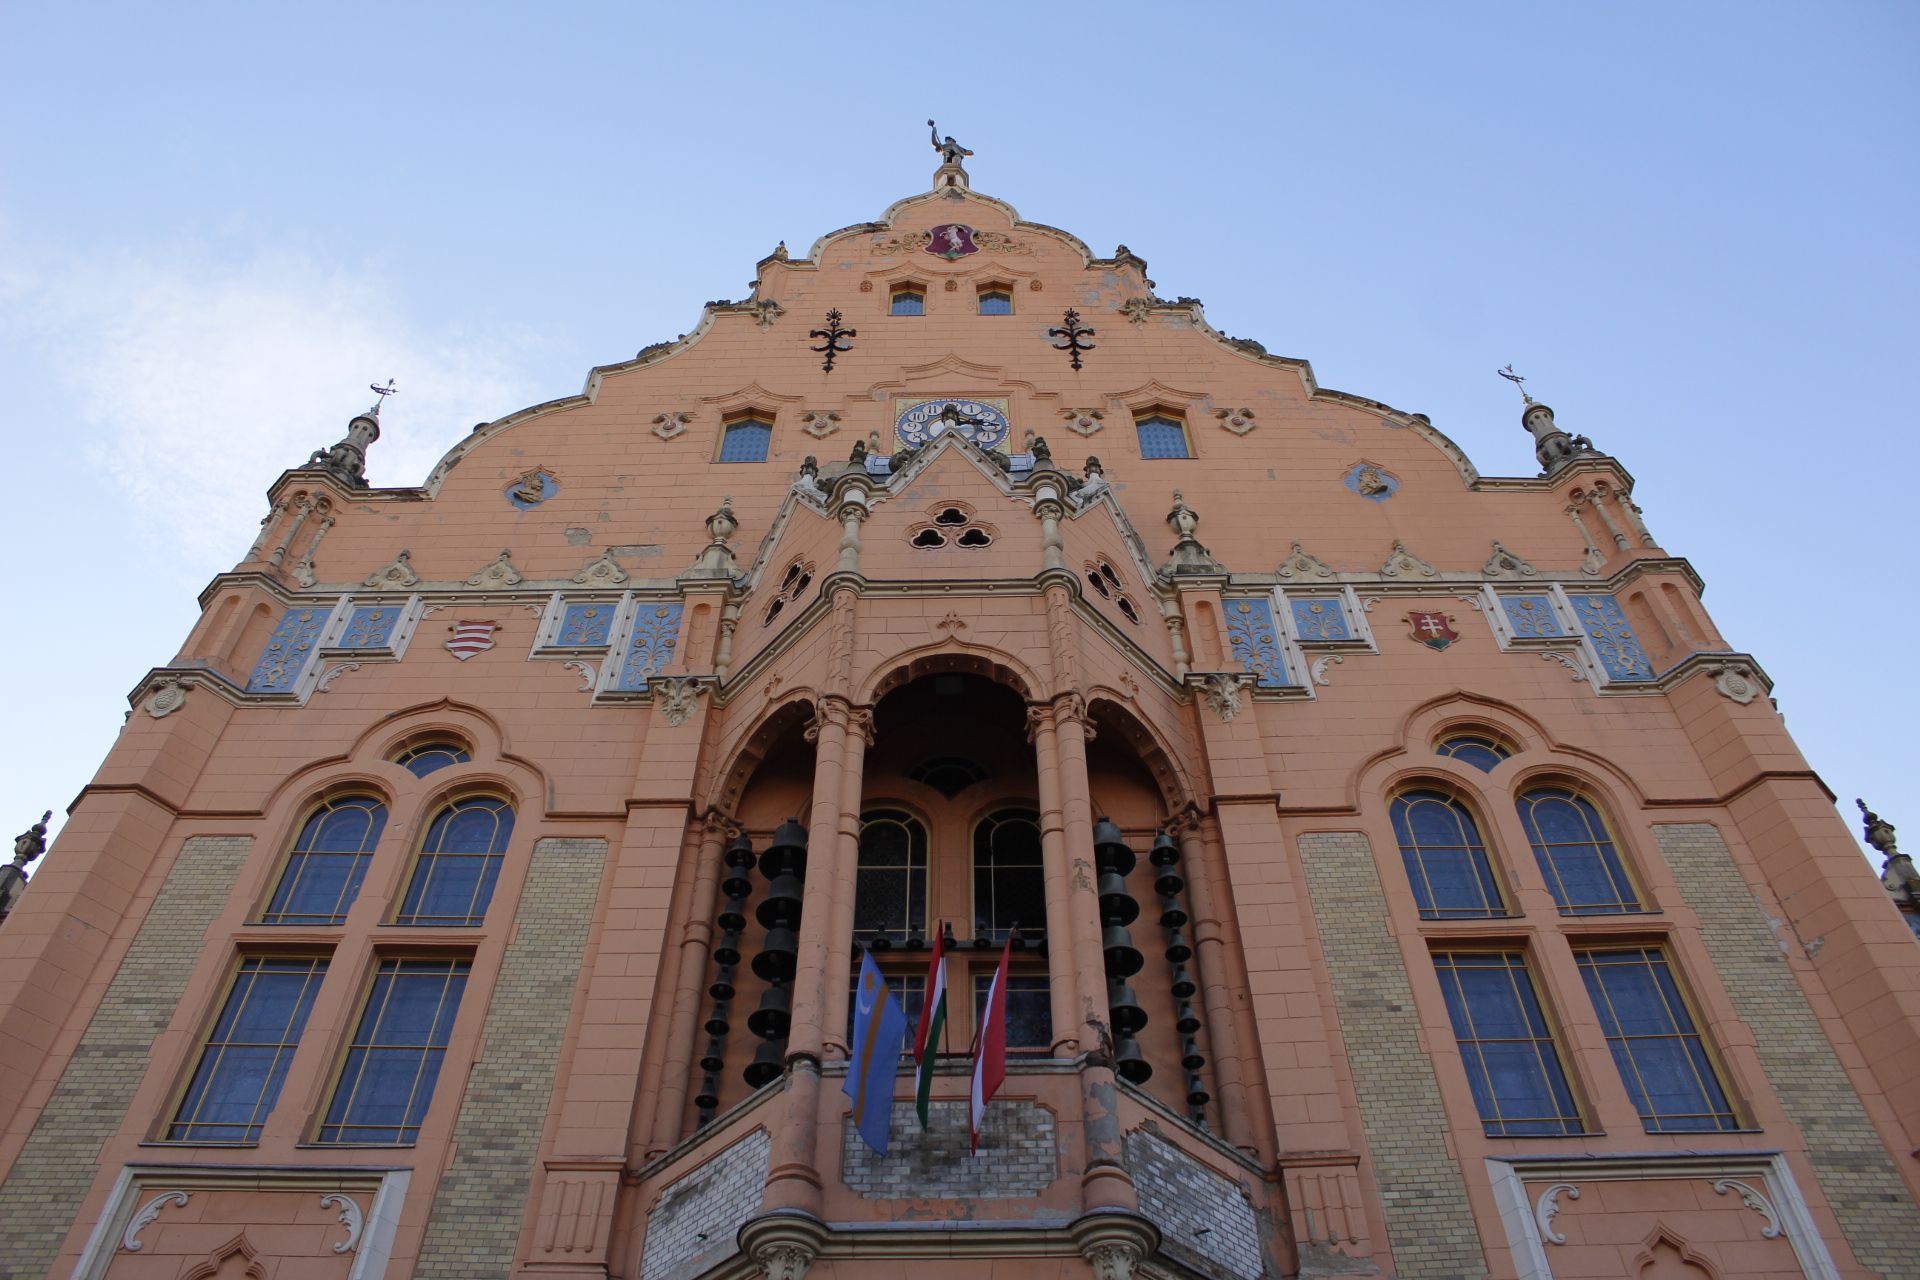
[[1434, 630], [951, 240], [470, 638]]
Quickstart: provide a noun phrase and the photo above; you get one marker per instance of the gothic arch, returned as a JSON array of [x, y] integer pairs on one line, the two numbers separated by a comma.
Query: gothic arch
[[948, 657], [743, 755], [1692, 1265], [1150, 745]]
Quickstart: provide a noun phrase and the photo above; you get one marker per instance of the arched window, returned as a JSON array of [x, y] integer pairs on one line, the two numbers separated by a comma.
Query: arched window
[[423, 757], [327, 863], [996, 302], [890, 885], [1445, 856], [745, 439], [1477, 749], [1009, 885], [1576, 853], [459, 862], [1162, 436], [907, 300]]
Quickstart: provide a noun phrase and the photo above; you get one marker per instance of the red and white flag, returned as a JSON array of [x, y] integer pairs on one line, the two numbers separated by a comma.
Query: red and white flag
[[470, 638], [990, 1047]]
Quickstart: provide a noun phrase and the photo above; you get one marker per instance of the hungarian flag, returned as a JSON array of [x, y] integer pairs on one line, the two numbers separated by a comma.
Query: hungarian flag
[[990, 1047], [933, 1023]]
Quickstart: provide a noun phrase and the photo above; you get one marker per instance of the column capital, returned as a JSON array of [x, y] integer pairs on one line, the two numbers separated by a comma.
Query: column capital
[[1070, 706]]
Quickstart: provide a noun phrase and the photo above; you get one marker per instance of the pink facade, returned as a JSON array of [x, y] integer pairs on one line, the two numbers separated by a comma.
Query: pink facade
[[1407, 878]]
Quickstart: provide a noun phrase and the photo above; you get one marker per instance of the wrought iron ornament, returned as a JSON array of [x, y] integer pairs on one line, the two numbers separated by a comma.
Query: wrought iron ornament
[[1519, 382], [1072, 331], [835, 339]]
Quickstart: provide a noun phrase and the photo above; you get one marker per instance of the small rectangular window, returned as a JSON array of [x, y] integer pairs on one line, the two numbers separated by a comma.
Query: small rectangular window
[[746, 440], [1162, 436], [1029, 1010], [996, 302], [1513, 1065], [244, 1061], [908, 302], [394, 1058], [1661, 1056]]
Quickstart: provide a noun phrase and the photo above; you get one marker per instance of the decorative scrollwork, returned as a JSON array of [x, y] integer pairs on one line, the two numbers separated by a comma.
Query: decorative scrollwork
[[589, 674], [1547, 1207], [1751, 1197], [350, 1217], [1320, 668], [1070, 332], [130, 1239], [834, 339]]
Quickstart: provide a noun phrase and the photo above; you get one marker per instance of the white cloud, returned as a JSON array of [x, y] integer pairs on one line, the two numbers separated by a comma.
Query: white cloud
[[195, 382]]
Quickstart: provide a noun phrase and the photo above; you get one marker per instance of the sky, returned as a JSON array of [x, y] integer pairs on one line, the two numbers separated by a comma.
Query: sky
[[1691, 226]]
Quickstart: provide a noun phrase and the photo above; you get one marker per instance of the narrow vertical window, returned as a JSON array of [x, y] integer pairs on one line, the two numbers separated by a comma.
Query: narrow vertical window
[[244, 1061], [1009, 884], [746, 440], [1576, 853], [1519, 1083], [394, 1057], [907, 302], [996, 302], [1162, 436], [459, 862], [327, 863], [1029, 1009], [1661, 1056], [1445, 857], [890, 885]]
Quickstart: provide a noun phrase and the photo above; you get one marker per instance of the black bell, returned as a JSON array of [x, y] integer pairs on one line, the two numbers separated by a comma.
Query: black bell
[[737, 885], [769, 1064], [1197, 1095], [880, 942], [1183, 985], [1129, 1019], [721, 988], [782, 903], [733, 916], [1172, 917], [715, 1056], [775, 962], [1185, 1019], [774, 1016], [717, 1024], [1130, 1064], [1190, 1056], [1168, 883], [1177, 949], [1117, 906], [1105, 833], [1165, 852], [1123, 961], [739, 854], [728, 952], [709, 1096]]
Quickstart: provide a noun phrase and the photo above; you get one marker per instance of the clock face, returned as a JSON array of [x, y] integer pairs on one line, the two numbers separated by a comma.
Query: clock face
[[981, 421]]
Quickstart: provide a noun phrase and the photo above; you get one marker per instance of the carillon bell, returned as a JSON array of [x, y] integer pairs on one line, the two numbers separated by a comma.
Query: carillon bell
[[774, 1017], [1186, 1021], [715, 1056], [776, 960], [1177, 949], [1123, 959], [769, 1063], [1129, 1019], [1190, 1056], [717, 1025], [1183, 983], [1130, 1064], [721, 988]]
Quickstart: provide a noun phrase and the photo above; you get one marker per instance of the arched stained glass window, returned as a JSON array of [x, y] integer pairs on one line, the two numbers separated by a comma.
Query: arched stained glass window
[[1445, 856], [459, 862], [328, 861], [1009, 884], [890, 888], [1476, 749], [1576, 853], [423, 758], [746, 440]]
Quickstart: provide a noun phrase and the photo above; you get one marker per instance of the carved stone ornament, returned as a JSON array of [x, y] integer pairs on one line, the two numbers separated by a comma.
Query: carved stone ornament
[[602, 572], [766, 311], [333, 672], [820, 423], [1299, 564], [1404, 564], [303, 573], [350, 1217], [1735, 681], [500, 573], [130, 1239], [589, 674], [1222, 692], [784, 1261], [1547, 1207], [676, 698], [397, 576], [1136, 309], [165, 698], [669, 425], [1505, 564], [1751, 1197], [1083, 421], [1238, 421], [1579, 673], [1319, 672], [1113, 1260], [532, 488]]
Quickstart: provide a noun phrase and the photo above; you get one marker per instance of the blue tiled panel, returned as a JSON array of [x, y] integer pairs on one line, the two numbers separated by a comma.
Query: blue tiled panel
[[1531, 617], [1320, 619], [1606, 625], [585, 626], [288, 651], [1256, 642], [371, 626], [656, 631]]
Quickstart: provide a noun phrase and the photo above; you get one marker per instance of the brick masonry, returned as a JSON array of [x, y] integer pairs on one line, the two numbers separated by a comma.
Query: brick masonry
[[1205, 1220], [1429, 1221], [699, 1215], [1016, 1156], [44, 1190], [478, 1208], [1859, 1180]]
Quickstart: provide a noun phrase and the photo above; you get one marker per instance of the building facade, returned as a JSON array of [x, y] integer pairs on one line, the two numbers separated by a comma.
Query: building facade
[[1403, 875]]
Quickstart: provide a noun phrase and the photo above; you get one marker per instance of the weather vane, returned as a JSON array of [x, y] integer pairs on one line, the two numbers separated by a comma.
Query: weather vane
[[1518, 381]]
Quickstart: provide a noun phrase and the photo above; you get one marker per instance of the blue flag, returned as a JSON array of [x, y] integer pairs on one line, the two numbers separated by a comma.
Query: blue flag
[[879, 1035]]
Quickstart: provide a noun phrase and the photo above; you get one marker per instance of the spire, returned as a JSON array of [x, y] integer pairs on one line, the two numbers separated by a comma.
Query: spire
[[1188, 555], [952, 174], [1554, 447], [347, 459]]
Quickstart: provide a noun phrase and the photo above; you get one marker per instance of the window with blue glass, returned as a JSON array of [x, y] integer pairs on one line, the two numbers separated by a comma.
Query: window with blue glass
[[244, 1060], [459, 862], [327, 863], [1661, 1056], [746, 440], [1576, 853], [393, 1060], [423, 758], [1477, 749], [907, 302], [1445, 857], [1162, 436], [1519, 1083], [996, 302]]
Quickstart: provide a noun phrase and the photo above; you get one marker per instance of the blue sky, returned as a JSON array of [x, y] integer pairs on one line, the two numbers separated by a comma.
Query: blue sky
[[1690, 225]]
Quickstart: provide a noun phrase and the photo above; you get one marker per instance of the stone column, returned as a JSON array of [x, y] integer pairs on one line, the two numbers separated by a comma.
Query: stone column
[[1597, 499], [1061, 981], [1209, 947], [844, 866], [1232, 977], [696, 942]]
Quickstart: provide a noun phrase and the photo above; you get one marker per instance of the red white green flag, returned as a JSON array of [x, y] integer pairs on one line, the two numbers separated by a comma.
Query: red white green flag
[[933, 1023], [990, 1047]]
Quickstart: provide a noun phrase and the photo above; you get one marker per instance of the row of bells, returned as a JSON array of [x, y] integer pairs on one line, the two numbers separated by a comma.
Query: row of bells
[[1113, 861], [784, 866]]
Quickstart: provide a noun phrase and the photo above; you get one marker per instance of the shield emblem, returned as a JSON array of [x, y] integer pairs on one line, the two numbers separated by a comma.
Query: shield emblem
[[470, 638], [951, 240], [1434, 630]]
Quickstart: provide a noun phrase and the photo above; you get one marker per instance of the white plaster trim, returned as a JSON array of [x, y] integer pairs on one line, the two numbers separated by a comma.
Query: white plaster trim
[[1517, 1216], [383, 1222]]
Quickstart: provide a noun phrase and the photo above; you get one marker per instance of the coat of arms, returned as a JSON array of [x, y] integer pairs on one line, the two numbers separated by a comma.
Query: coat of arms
[[470, 638], [1434, 630], [951, 240]]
